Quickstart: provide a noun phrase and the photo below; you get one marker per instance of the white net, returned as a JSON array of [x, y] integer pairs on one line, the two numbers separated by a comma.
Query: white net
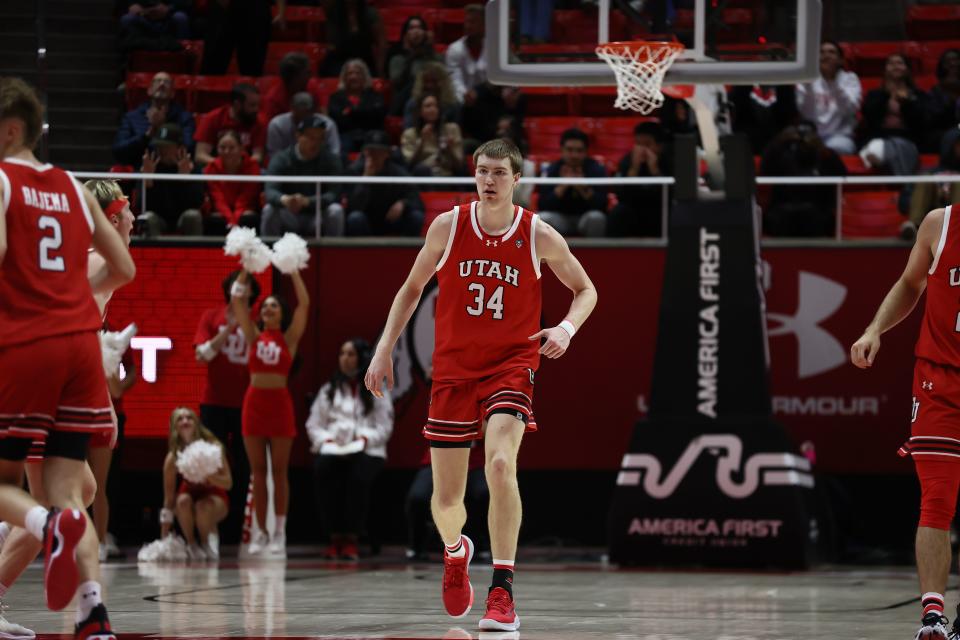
[[639, 68]]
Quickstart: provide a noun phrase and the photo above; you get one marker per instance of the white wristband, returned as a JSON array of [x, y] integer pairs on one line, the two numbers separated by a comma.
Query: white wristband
[[238, 290], [567, 326], [166, 516]]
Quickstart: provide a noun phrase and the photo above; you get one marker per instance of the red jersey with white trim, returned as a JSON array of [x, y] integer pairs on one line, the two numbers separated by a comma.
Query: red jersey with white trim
[[227, 375], [43, 277], [939, 339], [489, 299], [269, 353]]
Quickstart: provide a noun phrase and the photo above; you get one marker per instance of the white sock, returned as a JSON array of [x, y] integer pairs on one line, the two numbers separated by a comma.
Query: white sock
[[280, 527], [4, 532], [88, 596], [457, 550], [36, 518]]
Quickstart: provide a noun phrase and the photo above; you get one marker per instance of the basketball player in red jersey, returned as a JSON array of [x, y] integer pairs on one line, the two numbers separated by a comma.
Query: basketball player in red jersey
[[52, 385], [934, 265], [486, 257]]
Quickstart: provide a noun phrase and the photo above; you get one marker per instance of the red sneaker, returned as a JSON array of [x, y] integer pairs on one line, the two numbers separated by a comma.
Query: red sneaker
[[61, 535], [457, 590], [500, 615], [95, 627]]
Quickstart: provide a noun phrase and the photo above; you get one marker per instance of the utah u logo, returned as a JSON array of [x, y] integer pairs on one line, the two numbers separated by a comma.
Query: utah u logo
[[268, 353]]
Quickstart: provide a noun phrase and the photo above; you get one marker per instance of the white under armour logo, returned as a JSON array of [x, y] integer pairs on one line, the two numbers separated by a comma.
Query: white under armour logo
[[492, 243], [926, 386]]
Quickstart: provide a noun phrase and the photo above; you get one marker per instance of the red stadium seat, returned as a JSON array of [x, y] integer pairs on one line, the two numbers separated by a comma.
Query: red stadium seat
[[543, 134], [572, 52], [169, 61], [210, 92], [447, 25], [576, 26], [303, 24], [933, 50], [929, 161], [933, 21], [613, 137], [869, 83], [393, 125], [855, 166], [869, 58], [276, 51], [597, 102], [136, 85], [549, 101], [871, 214], [328, 86]]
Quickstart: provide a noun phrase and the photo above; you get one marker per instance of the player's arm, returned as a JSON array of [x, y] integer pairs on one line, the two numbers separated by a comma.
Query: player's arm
[[903, 296], [553, 249], [239, 294], [298, 324], [3, 227], [118, 268], [94, 264], [405, 303]]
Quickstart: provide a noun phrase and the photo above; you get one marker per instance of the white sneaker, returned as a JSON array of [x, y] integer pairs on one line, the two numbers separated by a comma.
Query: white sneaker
[[111, 544], [12, 631], [213, 546], [933, 628], [195, 552], [4, 532], [258, 543], [278, 544]]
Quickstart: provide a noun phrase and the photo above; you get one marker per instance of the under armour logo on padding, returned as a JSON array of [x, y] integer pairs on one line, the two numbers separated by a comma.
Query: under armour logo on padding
[[926, 386], [817, 349]]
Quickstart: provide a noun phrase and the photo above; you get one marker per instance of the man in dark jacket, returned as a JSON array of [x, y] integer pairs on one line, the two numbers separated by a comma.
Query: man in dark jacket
[[171, 204], [639, 210], [571, 208], [382, 209], [293, 206], [141, 124]]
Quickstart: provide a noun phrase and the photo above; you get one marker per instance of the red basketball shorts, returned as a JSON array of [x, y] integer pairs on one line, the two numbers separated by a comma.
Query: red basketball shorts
[[459, 408], [935, 441], [268, 413], [53, 384]]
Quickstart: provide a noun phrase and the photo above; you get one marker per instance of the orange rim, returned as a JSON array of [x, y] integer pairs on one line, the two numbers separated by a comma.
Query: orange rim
[[633, 45]]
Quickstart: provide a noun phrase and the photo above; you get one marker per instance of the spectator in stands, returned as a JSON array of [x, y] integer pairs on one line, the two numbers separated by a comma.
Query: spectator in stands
[[199, 507], [220, 344], [762, 112], [510, 128], [382, 209], [234, 203], [433, 147], [239, 115], [466, 58], [295, 77], [154, 25], [355, 106], [433, 78], [354, 30], [893, 120], [406, 58], [832, 100], [349, 429], [241, 25], [574, 208], [292, 206], [282, 130], [639, 210], [934, 195], [171, 204], [943, 104], [417, 505], [801, 210], [140, 124]]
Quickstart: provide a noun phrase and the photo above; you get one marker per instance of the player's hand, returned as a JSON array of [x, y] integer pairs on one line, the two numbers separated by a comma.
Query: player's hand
[[379, 374], [184, 163], [556, 341], [864, 351], [149, 161]]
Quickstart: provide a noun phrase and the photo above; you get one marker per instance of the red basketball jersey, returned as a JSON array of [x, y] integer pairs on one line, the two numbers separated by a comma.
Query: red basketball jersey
[[43, 277], [939, 339], [489, 299]]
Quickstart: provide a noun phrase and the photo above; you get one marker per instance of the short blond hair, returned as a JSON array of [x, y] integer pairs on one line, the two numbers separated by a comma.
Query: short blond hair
[[105, 191], [500, 148], [19, 100]]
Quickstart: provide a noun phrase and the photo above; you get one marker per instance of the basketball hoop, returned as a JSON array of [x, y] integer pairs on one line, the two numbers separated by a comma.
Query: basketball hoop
[[639, 67]]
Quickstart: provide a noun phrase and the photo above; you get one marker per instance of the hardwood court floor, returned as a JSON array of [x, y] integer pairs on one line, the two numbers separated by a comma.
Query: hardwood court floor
[[305, 598]]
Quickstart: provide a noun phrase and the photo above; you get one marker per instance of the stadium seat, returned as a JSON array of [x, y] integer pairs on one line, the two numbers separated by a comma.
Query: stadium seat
[[572, 52], [136, 85], [210, 92], [549, 101], [447, 25], [304, 24], [276, 51], [266, 83], [597, 102], [737, 25], [869, 58], [543, 133], [613, 137], [929, 161], [870, 214], [932, 51], [581, 26], [169, 61], [923, 82], [933, 21]]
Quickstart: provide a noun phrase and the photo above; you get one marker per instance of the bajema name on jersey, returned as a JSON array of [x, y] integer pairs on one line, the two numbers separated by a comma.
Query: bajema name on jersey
[[45, 200], [490, 269]]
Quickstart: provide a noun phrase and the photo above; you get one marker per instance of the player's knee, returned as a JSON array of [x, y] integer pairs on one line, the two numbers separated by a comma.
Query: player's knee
[[500, 468], [89, 490], [445, 500], [184, 502]]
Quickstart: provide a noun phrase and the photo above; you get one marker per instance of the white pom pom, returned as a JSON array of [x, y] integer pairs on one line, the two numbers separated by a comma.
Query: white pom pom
[[243, 242], [113, 344], [169, 549], [199, 460], [290, 253]]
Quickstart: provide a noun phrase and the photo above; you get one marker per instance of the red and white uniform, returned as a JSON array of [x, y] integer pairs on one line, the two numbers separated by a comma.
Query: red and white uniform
[[227, 375], [47, 311], [487, 308], [268, 413]]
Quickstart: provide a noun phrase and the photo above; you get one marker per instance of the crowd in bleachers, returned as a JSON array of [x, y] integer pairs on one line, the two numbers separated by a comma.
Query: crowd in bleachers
[[399, 89]]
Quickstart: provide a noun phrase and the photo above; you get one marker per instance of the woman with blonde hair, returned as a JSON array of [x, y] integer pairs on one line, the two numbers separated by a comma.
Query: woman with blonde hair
[[433, 78], [356, 107], [197, 506]]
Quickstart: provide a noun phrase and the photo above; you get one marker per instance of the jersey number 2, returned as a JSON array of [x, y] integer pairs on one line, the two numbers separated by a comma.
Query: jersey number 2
[[50, 243], [494, 302]]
